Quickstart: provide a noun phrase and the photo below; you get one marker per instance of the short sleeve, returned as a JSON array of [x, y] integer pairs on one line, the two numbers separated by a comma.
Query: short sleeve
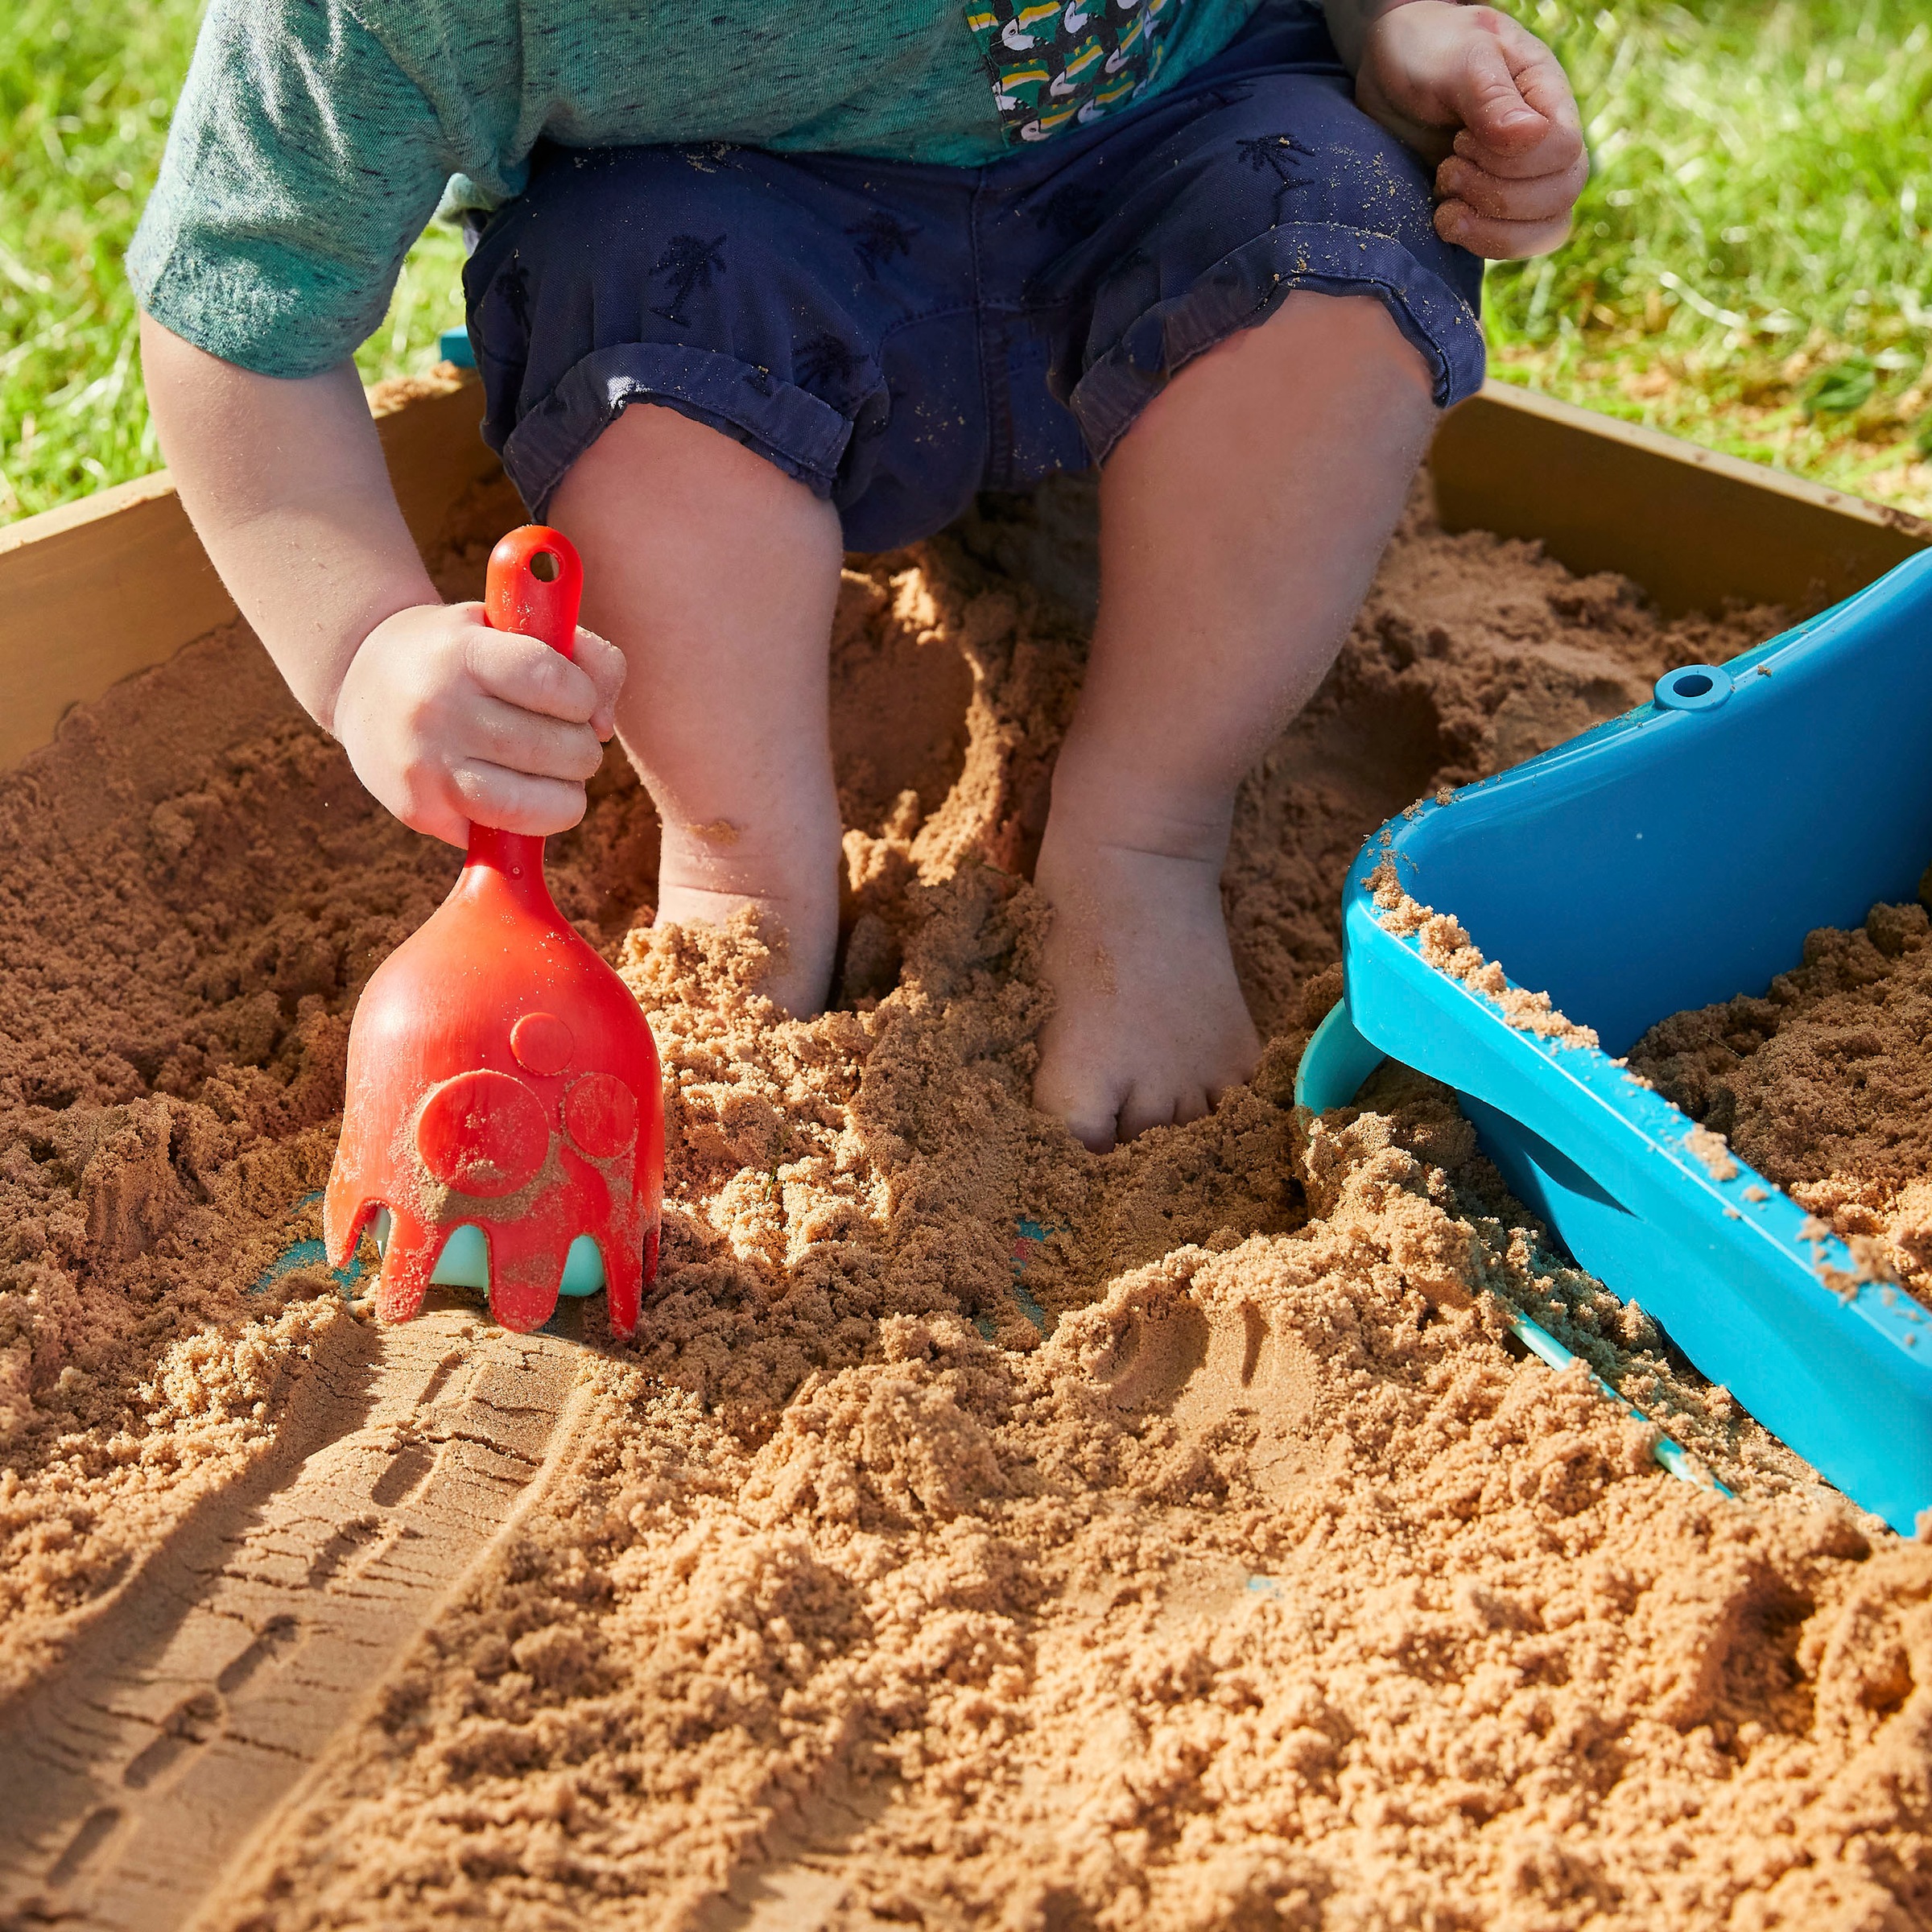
[[301, 165]]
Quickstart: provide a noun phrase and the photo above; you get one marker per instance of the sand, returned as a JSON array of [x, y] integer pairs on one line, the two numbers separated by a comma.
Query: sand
[[1444, 942], [978, 1532], [1823, 1082]]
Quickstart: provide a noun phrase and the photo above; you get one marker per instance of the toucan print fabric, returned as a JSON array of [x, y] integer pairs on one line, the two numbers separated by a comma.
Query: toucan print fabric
[[1060, 63]]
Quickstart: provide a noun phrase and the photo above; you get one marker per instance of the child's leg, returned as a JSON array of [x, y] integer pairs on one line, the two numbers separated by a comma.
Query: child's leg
[[1242, 516], [702, 364], [717, 573]]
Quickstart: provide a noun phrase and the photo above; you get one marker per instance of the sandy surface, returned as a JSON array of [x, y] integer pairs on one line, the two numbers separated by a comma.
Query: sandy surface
[[978, 1531], [1823, 1082]]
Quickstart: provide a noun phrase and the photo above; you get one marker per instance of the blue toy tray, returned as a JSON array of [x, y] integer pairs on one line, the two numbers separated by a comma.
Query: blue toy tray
[[1669, 859]]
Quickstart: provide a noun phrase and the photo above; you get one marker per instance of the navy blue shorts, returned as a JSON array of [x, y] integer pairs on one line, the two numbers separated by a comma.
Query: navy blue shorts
[[900, 335]]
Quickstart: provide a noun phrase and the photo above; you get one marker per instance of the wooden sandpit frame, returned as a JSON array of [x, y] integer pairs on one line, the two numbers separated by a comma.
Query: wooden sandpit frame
[[101, 589]]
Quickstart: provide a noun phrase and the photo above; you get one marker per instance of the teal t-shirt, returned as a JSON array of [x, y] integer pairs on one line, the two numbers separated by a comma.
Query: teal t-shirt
[[314, 138]]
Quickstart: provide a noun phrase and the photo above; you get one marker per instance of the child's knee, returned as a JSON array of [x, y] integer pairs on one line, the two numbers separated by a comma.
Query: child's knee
[[650, 448], [1317, 337]]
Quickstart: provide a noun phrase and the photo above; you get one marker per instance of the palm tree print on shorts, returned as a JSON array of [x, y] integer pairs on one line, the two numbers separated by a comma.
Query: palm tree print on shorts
[[689, 261], [1276, 153], [877, 237], [827, 366]]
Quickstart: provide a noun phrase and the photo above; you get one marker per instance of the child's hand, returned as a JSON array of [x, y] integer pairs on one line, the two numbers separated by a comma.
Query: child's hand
[[446, 721], [1468, 88]]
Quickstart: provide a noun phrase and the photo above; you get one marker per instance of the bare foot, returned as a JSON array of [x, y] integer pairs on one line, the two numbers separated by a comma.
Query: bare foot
[[707, 873], [1150, 1026]]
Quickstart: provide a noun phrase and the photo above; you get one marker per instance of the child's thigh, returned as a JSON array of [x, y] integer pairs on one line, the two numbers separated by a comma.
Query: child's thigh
[[1221, 203], [767, 297]]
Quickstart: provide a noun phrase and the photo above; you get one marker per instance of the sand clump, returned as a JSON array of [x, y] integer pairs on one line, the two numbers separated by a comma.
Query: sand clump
[[1823, 1082], [978, 1531], [1444, 942]]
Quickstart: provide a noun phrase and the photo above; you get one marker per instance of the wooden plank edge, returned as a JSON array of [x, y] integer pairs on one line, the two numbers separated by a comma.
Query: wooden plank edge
[[95, 590], [117, 581], [1696, 528], [113, 501]]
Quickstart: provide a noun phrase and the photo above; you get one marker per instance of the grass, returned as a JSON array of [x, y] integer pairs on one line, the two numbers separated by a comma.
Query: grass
[[1752, 265], [85, 94], [84, 98]]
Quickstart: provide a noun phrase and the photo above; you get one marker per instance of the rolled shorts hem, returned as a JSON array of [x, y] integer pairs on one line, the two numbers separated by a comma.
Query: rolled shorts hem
[[803, 436], [1245, 287]]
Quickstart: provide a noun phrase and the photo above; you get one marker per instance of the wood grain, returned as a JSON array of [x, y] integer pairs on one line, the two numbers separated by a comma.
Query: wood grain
[[104, 586], [1695, 529], [109, 585]]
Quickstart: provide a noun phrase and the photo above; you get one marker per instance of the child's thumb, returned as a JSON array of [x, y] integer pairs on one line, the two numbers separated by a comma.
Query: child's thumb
[[1489, 103]]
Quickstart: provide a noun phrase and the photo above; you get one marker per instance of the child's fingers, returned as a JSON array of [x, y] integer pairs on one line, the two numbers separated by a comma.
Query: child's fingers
[[1485, 95], [1510, 183], [528, 674], [1539, 77], [525, 740], [1498, 240], [605, 665], [434, 812], [513, 801], [1543, 198], [1509, 145], [1562, 148]]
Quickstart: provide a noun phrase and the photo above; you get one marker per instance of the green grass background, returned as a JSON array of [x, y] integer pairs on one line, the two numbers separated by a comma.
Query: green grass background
[[1752, 266]]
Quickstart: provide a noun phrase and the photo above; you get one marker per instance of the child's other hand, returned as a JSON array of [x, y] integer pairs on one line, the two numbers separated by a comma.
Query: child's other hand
[[1471, 90], [447, 721]]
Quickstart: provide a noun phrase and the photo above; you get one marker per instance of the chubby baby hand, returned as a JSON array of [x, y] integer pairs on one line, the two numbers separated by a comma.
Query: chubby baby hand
[[447, 721], [1484, 99]]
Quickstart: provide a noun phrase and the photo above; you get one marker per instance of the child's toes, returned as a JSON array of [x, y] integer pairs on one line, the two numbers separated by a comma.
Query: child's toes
[[1091, 1115], [1141, 1112], [1152, 1105]]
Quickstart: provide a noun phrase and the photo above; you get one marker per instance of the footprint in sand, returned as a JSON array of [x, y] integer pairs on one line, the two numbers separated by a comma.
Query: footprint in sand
[[1222, 1369]]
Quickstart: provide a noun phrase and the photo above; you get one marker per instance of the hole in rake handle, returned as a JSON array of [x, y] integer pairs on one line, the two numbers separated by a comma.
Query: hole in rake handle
[[545, 566]]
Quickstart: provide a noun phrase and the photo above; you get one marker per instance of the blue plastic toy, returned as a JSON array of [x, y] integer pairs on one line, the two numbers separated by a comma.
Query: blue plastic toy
[[1668, 859]]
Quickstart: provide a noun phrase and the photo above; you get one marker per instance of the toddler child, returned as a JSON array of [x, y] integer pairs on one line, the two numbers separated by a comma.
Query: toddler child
[[755, 282]]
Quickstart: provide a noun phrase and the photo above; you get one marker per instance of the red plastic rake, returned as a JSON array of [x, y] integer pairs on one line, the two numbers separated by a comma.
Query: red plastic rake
[[500, 1076]]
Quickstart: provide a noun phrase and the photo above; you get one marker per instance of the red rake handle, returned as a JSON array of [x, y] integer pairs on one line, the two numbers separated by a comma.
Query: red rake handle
[[534, 584]]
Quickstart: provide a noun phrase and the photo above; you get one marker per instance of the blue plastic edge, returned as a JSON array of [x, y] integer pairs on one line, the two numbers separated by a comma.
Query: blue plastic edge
[[1334, 1065], [1845, 1380], [1834, 1378]]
